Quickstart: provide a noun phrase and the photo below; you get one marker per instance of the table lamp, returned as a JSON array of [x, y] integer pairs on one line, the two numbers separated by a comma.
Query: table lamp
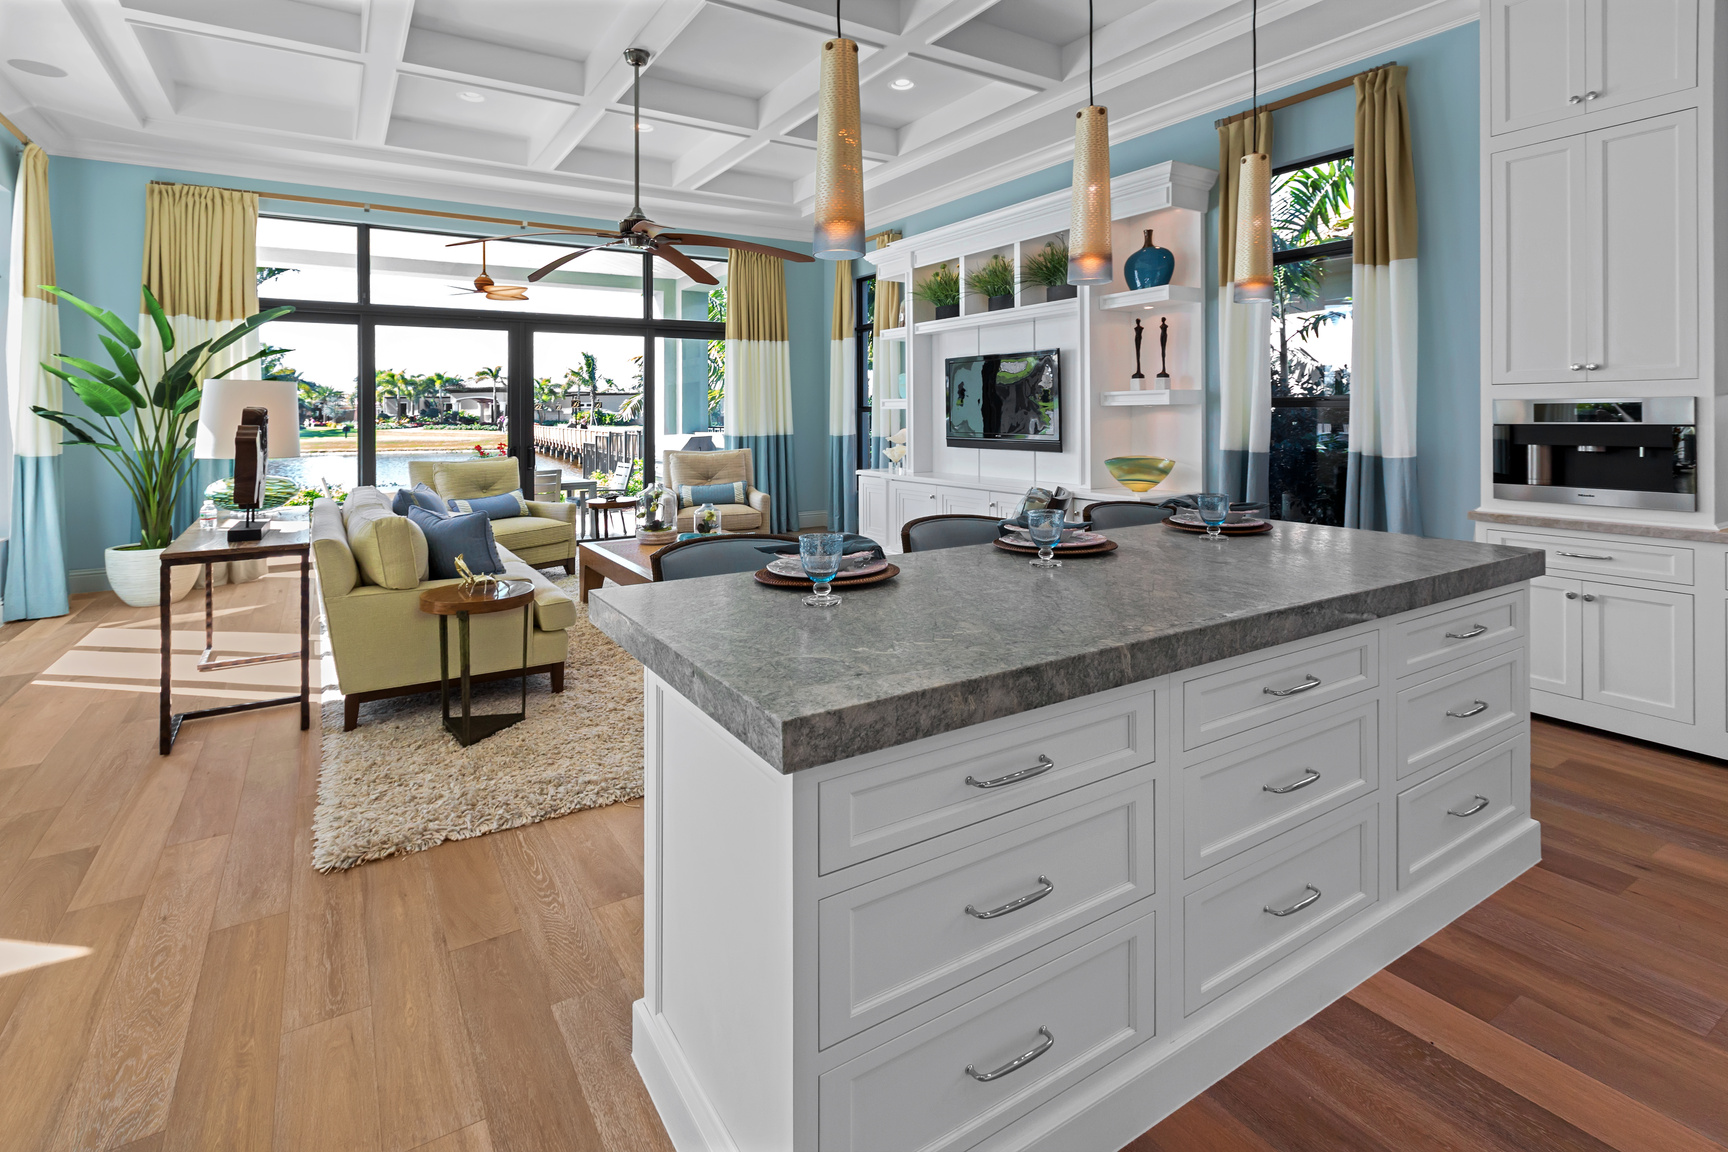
[[255, 419]]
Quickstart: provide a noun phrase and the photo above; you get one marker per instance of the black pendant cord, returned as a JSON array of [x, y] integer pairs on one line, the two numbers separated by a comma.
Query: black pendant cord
[[1254, 55], [838, 35], [1090, 98]]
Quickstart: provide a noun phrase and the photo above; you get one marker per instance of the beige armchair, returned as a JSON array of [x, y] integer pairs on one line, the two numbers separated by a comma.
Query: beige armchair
[[545, 537], [689, 469]]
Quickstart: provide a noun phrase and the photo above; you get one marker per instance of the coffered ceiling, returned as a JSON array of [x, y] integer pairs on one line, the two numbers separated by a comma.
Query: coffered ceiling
[[525, 103]]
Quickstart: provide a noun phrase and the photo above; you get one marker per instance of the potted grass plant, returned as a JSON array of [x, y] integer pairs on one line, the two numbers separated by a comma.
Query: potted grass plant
[[152, 451], [1047, 268], [940, 290], [994, 281]]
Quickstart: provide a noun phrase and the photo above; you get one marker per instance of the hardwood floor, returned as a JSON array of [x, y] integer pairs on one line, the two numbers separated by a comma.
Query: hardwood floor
[[476, 996]]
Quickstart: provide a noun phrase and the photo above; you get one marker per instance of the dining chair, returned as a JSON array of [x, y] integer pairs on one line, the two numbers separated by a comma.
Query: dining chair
[[714, 555], [1108, 514], [928, 533]]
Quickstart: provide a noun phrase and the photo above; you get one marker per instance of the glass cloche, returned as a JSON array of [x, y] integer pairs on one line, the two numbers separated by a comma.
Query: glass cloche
[[656, 508]]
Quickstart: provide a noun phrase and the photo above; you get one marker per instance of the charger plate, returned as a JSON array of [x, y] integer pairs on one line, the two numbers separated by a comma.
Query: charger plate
[[1255, 529], [775, 580], [793, 567], [1064, 550]]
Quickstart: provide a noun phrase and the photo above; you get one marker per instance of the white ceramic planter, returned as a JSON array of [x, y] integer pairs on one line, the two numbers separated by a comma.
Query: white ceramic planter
[[135, 574]]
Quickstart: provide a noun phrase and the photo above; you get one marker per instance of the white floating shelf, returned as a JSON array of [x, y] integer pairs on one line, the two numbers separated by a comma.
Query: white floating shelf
[[892, 333], [1000, 316], [1163, 296], [897, 403], [1149, 397]]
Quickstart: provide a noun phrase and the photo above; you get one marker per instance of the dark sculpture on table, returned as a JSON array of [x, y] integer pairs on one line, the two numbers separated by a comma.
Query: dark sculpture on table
[[251, 452], [1163, 350], [1139, 376]]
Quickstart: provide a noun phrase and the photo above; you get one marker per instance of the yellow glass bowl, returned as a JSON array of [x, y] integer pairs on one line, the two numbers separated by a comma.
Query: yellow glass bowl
[[1139, 473]]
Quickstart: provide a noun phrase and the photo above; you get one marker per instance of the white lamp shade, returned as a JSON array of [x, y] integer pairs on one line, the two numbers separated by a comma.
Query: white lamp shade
[[224, 400]]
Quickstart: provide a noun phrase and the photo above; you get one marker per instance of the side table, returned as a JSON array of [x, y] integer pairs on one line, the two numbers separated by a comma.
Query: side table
[[454, 600]]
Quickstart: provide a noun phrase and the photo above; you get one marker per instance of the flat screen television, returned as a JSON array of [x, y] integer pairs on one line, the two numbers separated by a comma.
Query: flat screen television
[[1012, 400]]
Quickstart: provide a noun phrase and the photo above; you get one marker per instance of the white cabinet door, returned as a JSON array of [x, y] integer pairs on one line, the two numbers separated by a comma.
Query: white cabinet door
[[1638, 650], [964, 502], [1636, 49], [908, 502], [873, 518], [1006, 502], [1641, 215], [1536, 61], [1556, 665], [1537, 204]]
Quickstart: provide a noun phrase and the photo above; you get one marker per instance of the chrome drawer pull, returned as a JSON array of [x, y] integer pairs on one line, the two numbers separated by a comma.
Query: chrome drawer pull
[[1481, 803], [1302, 783], [1309, 680], [1015, 904], [1313, 895], [1044, 765], [1583, 555], [1480, 707], [1018, 1062], [1468, 633]]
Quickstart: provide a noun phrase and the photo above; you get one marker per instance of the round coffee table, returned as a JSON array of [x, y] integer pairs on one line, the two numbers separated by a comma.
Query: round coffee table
[[455, 600]]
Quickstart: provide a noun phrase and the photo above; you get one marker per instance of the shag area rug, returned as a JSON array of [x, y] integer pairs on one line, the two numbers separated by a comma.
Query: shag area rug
[[398, 783]]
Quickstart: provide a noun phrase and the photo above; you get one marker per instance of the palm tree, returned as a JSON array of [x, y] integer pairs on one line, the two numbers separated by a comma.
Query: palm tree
[[495, 376], [442, 382], [588, 376], [315, 398], [547, 393], [389, 384], [1311, 206]]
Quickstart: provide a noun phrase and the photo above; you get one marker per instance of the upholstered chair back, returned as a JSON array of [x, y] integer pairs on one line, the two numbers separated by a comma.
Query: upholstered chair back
[[466, 479], [1108, 514], [723, 467], [713, 555], [928, 533]]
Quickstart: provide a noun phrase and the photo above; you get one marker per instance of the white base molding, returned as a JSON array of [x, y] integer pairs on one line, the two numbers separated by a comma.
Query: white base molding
[[690, 1119]]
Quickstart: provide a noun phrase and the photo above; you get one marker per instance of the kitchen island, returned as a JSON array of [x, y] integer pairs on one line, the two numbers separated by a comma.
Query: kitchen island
[[1001, 858]]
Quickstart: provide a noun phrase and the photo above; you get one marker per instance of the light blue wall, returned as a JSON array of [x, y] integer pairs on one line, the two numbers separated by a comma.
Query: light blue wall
[[98, 211], [1442, 90]]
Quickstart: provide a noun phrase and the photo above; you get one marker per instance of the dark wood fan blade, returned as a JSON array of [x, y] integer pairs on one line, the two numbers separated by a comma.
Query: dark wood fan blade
[[740, 245], [525, 235], [682, 262], [534, 276]]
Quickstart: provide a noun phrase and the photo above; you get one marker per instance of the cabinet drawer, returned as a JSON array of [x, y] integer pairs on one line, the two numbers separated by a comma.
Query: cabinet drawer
[[1605, 557], [1225, 703], [877, 809], [1442, 817], [1239, 800], [1440, 718], [915, 1093], [1232, 929], [899, 940], [1458, 631]]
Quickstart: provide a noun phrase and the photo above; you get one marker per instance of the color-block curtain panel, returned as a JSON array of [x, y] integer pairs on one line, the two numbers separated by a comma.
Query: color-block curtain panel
[[842, 385], [201, 264], [758, 403], [1381, 489], [885, 316], [36, 571], [1244, 332]]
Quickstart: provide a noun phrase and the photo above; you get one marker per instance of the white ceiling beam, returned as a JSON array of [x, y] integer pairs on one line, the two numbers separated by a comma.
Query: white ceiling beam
[[979, 41], [386, 36], [105, 28]]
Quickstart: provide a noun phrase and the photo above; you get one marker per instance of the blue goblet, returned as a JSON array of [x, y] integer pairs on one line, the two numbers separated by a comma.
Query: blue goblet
[[1044, 525], [819, 553]]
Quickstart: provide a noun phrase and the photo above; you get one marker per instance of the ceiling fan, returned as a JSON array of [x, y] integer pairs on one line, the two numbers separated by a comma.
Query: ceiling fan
[[485, 285], [641, 234]]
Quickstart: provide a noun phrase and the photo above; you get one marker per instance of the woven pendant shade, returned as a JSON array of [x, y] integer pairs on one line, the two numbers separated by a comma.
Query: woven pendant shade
[[1254, 229], [1089, 224], [839, 156]]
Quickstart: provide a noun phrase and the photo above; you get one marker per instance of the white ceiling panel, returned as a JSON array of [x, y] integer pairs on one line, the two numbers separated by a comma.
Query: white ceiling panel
[[326, 23], [746, 54], [211, 77]]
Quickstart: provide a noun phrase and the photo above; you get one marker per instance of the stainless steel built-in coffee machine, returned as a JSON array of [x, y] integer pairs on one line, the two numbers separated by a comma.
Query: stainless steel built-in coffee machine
[[1611, 453]]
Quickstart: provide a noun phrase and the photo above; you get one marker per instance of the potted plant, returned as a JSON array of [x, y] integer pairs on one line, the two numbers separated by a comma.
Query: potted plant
[[940, 290], [1047, 268], [152, 452], [994, 281]]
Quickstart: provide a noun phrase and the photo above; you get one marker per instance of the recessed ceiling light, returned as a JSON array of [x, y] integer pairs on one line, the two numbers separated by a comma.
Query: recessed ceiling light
[[644, 127], [901, 84], [37, 68], [472, 96]]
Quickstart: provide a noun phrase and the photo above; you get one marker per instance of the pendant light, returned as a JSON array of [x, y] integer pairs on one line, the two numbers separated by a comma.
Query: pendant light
[[1254, 197], [1089, 220], [839, 153]]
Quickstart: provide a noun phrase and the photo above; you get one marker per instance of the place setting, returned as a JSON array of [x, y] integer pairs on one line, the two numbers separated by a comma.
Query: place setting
[[1214, 516], [1044, 533], [819, 562]]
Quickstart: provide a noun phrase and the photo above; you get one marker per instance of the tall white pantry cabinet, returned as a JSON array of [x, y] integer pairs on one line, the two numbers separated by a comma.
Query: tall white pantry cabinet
[[1605, 276]]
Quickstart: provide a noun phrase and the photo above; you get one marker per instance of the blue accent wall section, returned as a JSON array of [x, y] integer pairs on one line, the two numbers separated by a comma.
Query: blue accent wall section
[[98, 211], [1444, 126]]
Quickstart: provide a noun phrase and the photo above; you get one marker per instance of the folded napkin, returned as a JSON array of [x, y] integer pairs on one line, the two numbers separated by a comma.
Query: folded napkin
[[1020, 522], [853, 545]]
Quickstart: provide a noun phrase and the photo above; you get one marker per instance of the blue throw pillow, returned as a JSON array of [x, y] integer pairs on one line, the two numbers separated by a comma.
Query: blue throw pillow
[[419, 496], [468, 535], [695, 495], [496, 507]]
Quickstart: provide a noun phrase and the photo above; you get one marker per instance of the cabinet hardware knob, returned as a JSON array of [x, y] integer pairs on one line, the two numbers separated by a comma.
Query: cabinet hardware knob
[[1014, 905], [1309, 680], [1576, 367], [1592, 367], [1589, 597], [1468, 633], [1476, 709], [1584, 555], [1283, 788], [1481, 803], [1313, 895], [1574, 99], [1019, 1061], [1571, 595], [1044, 765], [931, 496], [1591, 95]]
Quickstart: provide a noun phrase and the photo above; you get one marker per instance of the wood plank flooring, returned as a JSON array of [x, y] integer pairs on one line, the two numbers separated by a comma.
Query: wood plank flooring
[[476, 997]]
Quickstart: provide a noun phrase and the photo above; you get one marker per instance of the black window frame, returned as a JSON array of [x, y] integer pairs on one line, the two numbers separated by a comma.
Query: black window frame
[[1322, 251], [520, 328], [863, 340]]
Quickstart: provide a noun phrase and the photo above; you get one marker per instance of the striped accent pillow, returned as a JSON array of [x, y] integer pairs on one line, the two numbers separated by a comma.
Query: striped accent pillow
[[503, 507], [694, 495]]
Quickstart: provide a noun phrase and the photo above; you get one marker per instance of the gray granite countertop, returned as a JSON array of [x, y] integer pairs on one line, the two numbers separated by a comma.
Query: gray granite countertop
[[966, 635], [1652, 531]]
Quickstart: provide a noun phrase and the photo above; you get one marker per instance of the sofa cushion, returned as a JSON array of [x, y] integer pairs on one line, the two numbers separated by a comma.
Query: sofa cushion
[[505, 507], [418, 496], [337, 573], [696, 495], [553, 608], [467, 534], [719, 467], [473, 479], [521, 532], [390, 550]]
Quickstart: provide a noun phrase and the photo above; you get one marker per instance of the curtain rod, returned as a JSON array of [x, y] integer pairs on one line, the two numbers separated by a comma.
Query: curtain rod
[[1322, 90], [16, 131], [572, 228]]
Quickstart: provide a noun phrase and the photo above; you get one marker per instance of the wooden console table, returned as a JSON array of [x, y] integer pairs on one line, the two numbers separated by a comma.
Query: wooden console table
[[620, 561], [209, 546]]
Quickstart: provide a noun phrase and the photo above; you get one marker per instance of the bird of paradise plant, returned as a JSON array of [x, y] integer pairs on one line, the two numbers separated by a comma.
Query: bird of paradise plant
[[152, 452]]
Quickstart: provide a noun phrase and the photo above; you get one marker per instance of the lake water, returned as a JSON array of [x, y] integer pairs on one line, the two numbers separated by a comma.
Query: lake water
[[316, 469]]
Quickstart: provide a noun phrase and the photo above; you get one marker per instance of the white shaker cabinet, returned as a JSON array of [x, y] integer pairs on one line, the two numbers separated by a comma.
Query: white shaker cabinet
[[873, 515], [1636, 49], [1537, 208], [964, 502], [1536, 61], [1637, 646], [1556, 629]]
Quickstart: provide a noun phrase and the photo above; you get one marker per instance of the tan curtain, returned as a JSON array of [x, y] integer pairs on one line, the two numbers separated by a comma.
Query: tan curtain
[[842, 387], [758, 400], [1244, 330], [1380, 488], [889, 294]]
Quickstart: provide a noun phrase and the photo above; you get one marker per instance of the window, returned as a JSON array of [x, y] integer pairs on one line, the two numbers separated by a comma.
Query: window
[[400, 359], [1313, 223], [864, 349]]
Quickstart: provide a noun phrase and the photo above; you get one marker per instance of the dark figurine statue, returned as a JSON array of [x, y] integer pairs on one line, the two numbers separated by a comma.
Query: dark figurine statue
[[1163, 348], [1138, 334]]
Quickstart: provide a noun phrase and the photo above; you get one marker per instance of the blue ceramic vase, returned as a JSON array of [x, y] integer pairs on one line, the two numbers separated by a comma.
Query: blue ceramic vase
[[1151, 266]]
